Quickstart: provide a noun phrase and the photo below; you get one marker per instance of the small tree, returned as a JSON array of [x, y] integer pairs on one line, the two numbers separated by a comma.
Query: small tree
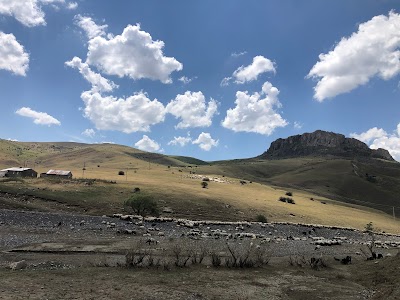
[[261, 219], [369, 227], [143, 204], [204, 184]]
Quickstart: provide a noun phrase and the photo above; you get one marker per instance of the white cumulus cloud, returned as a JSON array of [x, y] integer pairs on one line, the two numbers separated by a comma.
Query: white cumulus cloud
[[251, 72], [135, 113], [147, 144], [29, 12], [99, 83], [39, 118], [205, 141], [13, 57], [379, 138], [192, 109], [133, 54], [90, 27], [371, 51], [255, 113], [72, 5], [369, 135], [185, 80], [89, 132], [180, 140]]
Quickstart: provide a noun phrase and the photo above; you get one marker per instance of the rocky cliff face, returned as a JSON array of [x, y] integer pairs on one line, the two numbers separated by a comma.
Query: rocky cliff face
[[321, 143]]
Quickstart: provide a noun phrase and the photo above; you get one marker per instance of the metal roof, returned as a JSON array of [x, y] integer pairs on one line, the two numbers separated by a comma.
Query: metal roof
[[16, 169], [58, 172]]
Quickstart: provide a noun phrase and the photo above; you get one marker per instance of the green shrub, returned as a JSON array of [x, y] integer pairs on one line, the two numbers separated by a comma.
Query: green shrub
[[289, 194], [143, 204], [369, 227], [261, 218], [290, 200], [204, 184], [121, 173], [287, 200]]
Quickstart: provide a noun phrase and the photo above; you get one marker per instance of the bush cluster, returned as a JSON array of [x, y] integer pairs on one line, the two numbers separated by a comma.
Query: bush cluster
[[261, 218], [143, 204], [287, 200]]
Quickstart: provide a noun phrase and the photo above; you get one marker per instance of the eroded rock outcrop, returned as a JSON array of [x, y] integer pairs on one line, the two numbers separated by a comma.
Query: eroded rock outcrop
[[322, 143]]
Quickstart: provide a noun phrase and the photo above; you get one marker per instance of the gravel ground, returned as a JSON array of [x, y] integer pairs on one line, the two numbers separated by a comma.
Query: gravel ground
[[20, 228], [68, 256]]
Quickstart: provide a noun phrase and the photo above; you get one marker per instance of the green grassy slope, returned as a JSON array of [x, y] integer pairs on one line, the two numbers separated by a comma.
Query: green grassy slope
[[341, 179]]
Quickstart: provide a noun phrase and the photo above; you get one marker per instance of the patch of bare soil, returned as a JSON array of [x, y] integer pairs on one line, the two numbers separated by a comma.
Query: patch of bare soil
[[192, 283]]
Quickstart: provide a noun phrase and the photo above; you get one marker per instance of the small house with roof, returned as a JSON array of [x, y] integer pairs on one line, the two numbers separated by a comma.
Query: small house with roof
[[18, 172], [57, 173]]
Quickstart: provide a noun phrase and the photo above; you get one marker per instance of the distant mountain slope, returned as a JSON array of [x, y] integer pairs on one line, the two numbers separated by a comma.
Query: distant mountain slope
[[328, 164], [190, 160], [322, 143], [75, 155]]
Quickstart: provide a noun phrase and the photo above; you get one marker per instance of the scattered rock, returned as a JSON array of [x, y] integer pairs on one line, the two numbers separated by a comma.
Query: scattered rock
[[19, 265]]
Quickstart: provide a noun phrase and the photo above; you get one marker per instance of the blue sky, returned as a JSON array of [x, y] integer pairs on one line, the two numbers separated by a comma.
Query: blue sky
[[210, 79]]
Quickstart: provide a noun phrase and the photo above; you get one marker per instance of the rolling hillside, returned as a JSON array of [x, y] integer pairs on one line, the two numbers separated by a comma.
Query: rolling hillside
[[351, 198]]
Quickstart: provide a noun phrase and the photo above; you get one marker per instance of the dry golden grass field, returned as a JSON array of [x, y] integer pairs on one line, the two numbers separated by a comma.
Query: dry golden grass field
[[175, 186]]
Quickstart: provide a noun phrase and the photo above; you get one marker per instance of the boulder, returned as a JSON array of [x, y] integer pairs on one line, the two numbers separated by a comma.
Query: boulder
[[18, 265]]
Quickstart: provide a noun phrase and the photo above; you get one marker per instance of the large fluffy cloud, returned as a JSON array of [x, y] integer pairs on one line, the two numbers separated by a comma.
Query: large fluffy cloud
[[13, 57], [379, 138], [251, 72], [256, 112], [371, 51], [370, 135], [133, 54], [205, 141], [147, 144], [90, 27], [99, 83], [39, 118], [192, 109], [29, 12], [135, 113]]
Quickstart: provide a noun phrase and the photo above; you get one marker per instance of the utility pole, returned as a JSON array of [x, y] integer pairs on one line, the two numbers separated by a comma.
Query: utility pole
[[126, 174], [83, 169]]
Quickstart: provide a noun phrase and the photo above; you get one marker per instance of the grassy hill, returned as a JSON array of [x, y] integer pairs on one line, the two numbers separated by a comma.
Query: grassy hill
[[319, 186], [370, 182]]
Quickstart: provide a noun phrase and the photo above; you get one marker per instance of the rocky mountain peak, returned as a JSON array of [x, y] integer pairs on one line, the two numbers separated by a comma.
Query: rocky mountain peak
[[322, 143]]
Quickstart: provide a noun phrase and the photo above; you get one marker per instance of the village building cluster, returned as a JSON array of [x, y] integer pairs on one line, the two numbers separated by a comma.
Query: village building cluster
[[28, 172]]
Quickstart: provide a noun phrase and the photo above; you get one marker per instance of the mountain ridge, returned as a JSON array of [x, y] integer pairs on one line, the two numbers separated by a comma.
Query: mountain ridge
[[322, 143]]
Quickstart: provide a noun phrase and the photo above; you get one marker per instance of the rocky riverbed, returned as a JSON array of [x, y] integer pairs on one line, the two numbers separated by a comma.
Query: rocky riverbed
[[35, 232], [48, 255]]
